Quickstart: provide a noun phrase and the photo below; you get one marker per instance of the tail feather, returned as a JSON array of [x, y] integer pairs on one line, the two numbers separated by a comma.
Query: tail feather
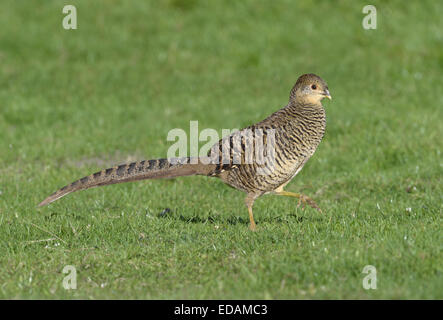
[[140, 170]]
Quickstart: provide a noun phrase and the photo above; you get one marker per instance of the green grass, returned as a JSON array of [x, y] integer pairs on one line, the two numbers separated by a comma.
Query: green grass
[[73, 102]]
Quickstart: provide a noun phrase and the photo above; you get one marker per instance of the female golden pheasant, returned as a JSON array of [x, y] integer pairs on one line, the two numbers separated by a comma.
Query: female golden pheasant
[[291, 135]]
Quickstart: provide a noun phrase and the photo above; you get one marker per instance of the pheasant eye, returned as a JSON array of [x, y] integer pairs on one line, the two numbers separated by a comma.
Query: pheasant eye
[[314, 87]]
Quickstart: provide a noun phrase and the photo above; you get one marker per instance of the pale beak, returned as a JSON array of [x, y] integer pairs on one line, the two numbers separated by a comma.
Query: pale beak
[[327, 94]]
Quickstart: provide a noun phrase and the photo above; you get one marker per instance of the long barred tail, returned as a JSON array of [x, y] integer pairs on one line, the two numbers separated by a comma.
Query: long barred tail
[[146, 169]]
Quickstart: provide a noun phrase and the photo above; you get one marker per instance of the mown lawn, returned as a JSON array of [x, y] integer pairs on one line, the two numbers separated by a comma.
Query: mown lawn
[[75, 101]]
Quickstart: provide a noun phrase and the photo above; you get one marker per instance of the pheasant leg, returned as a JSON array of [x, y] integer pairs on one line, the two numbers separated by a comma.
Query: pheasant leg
[[249, 201], [302, 199]]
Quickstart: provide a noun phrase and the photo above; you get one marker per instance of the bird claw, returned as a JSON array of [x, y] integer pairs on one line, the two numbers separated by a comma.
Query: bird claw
[[300, 203], [303, 200]]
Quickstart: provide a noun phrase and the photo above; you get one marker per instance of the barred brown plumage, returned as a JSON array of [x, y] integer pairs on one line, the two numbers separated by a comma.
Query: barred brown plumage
[[291, 135]]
